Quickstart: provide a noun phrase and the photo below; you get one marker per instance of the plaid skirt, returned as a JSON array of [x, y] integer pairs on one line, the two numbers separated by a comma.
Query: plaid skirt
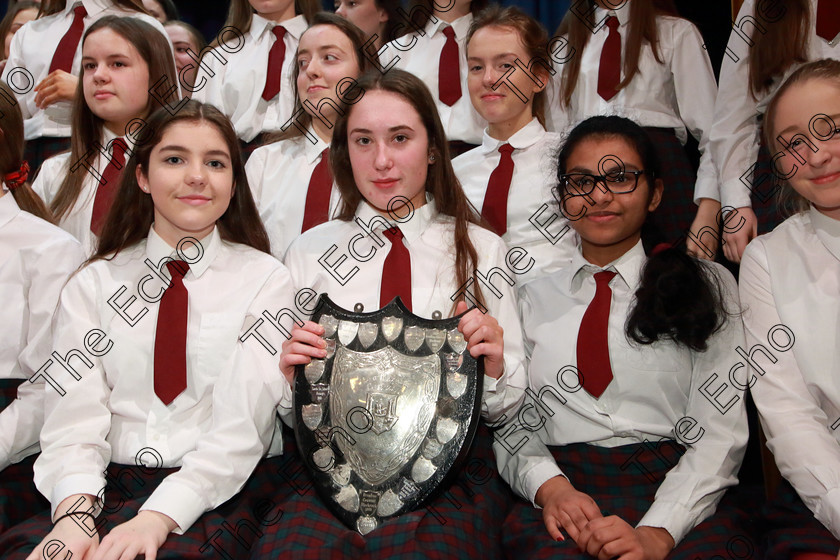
[[463, 521], [790, 527], [38, 149], [623, 481], [677, 210]]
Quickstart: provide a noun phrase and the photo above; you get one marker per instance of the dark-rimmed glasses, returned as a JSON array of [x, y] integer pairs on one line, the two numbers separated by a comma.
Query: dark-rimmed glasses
[[582, 184]]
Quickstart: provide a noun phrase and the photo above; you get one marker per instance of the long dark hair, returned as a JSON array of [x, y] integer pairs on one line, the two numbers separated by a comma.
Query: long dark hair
[[678, 298], [132, 212], [783, 44], [642, 29], [357, 39], [421, 11], [240, 13], [11, 153], [14, 10], [49, 7], [441, 181], [156, 52]]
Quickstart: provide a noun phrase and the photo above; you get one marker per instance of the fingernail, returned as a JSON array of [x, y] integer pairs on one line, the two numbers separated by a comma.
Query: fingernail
[[561, 538]]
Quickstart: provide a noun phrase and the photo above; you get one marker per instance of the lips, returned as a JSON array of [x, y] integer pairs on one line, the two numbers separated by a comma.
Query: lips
[[102, 94], [492, 96], [314, 88], [194, 200], [601, 216], [385, 183], [828, 178]]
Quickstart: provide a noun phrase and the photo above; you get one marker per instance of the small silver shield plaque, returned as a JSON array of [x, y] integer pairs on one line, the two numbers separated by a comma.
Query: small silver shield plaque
[[391, 328], [435, 339], [347, 331], [456, 340], [330, 324], [414, 337], [368, 333]]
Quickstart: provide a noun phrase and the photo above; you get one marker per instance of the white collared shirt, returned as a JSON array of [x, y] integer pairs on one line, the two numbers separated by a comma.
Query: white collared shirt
[[32, 50], [48, 182], [111, 414], [790, 289], [735, 134], [234, 81], [529, 198], [279, 175], [420, 55], [679, 93], [428, 236], [35, 260], [654, 387]]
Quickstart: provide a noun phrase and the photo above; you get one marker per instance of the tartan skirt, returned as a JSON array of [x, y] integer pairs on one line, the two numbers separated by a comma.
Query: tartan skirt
[[790, 527], [623, 481], [35, 151], [677, 210], [463, 521]]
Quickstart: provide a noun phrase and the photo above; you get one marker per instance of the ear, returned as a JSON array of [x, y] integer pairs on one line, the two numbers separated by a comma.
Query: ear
[[383, 15], [142, 180], [656, 195]]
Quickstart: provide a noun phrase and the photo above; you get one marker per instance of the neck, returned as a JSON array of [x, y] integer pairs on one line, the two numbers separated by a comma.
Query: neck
[[323, 132], [452, 14], [117, 128], [602, 255], [280, 16], [504, 130], [173, 236]]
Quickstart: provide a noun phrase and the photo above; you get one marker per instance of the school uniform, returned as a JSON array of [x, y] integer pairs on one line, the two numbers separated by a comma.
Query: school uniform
[[35, 260], [235, 81], [48, 131], [420, 54], [281, 178], [670, 99], [464, 521], [788, 283], [112, 419], [630, 447], [534, 222], [77, 221], [735, 138]]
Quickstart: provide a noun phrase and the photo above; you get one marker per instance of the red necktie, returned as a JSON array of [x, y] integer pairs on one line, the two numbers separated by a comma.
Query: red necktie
[[449, 70], [593, 352], [396, 274], [317, 210], [494, 209], [171, 336], [276, 56], [66, 50], [107, 188], [828, 19], [609, 71]]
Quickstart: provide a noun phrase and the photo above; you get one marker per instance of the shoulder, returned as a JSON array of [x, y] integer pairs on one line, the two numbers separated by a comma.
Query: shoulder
[[238, 255], [796, 230], [42, 235], [322, 237], [468, 159], [676, 28]]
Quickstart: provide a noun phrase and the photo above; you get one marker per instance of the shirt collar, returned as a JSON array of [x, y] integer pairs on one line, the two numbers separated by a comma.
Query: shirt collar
[[294, 26], [827, 229], [411, 229], [8, 208], [311, 152], [622, 13], [460, 26], [628, 266], [108, 137], [525, 137], [157, 249]]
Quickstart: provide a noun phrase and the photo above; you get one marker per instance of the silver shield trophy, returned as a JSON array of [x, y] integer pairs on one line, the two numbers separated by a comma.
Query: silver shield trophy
[[389, 415]]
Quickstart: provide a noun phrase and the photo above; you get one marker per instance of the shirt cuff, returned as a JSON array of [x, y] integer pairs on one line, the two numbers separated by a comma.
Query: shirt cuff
[[735, 194], [177, 502], [537, 476], [706, 188], [78, 484], [671, 516]]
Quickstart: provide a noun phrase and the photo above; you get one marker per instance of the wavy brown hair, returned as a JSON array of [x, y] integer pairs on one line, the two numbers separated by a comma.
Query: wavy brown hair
[[783, 43], [240, 13], [11, 153], [533, 37], [642, 30], [155, 50], [132, 212], [49, 7], [441, 181], [421, 11], [14, 10]]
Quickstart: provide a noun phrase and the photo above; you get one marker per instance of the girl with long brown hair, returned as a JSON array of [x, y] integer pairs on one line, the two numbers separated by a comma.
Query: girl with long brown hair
[[250, 81], [181, 231], [290, 176], [44, 66], [123, 59], [768, 42], [378, 19], [639, 59]]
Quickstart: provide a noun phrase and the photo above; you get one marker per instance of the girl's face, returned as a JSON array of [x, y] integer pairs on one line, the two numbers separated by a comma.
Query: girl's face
[[609, 224], [182, 40], [115, 79], [190, 179], [490, 55], [364, 14], [812, 110], [23, 16], [389, 151], [274, 10], [155, 10], [325, 57]]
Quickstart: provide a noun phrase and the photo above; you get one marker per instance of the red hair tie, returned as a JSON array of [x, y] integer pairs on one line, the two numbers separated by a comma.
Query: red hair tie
[[16, 178], [661, 247]]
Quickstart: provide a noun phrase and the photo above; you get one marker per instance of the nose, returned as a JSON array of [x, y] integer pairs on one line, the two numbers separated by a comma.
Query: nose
[[313, 68], [491, 76], [383, 158], [196, 174], [816, 158], [600, 195], [340, 10], [100, 73]]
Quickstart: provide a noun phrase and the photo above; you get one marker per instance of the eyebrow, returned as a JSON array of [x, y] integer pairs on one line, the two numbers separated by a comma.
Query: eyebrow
[[496, 57], [392, 129], [835, 118], [182, 149], [321, 48], [627, 167], [110, 56]]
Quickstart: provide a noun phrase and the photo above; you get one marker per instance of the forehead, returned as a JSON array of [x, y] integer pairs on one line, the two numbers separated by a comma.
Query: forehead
[[803, 101], [193, 135], [179, 34], [610, 150], [494, 39], [383, 110], [321, 35], [107, 41]]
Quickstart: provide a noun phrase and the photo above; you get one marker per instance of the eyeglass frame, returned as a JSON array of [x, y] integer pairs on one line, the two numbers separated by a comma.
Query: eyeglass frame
[[602, 179]]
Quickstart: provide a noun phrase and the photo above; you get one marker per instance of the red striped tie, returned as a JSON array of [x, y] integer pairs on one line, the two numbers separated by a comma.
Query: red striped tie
[[449, 70], [396, 274], [66, 50], [171, 336], [828, 19], [494, 209], [107, 188], [317, 209], [276, 56], [609, 71], [593, 351]]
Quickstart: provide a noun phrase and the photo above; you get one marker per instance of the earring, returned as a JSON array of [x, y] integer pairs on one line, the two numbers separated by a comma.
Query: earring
[[431, 158]]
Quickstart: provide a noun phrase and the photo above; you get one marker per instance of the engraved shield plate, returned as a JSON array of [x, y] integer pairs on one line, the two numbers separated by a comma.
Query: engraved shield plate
[[383, 422]]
